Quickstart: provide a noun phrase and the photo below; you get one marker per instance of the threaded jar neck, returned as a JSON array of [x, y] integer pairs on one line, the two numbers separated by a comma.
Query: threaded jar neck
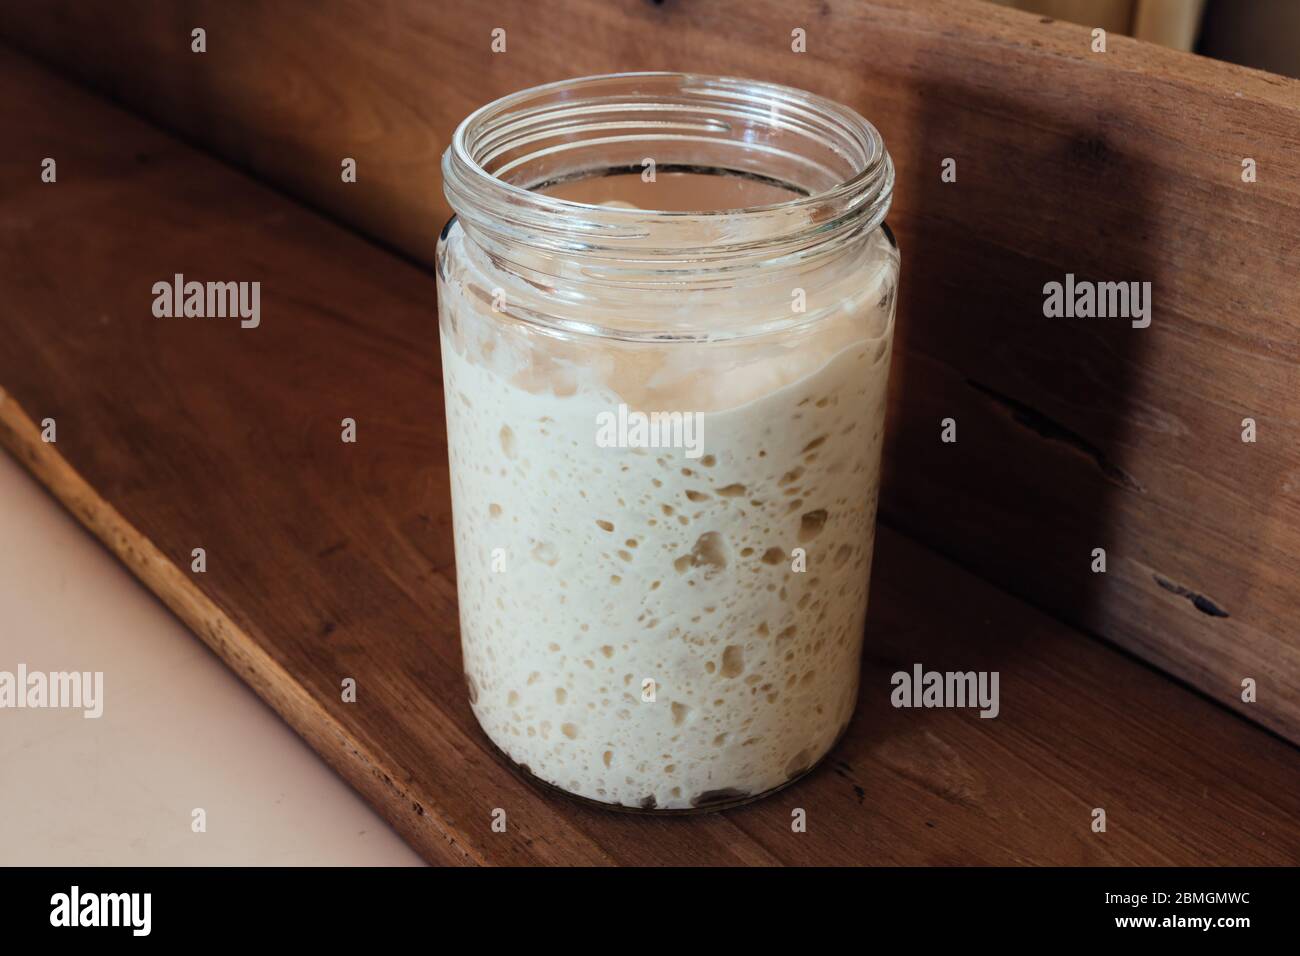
[[830, 160]]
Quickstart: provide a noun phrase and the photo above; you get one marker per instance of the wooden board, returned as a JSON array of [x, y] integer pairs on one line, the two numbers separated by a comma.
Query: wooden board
[[327, 561], [1122, 166]]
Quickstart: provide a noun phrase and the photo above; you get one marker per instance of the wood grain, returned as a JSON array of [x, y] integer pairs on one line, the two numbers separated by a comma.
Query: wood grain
[[1123, 166], [328, 560]]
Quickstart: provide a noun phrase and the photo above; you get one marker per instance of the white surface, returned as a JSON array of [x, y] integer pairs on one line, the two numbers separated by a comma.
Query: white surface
[[179, 730]]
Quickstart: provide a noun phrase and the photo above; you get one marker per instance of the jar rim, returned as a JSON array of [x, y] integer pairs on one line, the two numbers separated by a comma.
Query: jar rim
[[838, 152]]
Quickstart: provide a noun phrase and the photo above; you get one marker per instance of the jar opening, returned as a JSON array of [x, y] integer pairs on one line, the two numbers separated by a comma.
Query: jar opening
[[804, 171], [674, 187]]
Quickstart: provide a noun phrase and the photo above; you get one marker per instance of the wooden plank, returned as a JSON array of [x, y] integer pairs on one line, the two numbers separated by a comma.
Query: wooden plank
[[1073, 434], [327, 560]]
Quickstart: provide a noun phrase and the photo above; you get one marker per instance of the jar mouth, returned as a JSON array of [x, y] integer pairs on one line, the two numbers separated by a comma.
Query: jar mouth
[[831, 160]]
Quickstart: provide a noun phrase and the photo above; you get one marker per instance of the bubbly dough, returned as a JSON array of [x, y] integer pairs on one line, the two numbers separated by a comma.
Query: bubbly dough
[[585, 572]]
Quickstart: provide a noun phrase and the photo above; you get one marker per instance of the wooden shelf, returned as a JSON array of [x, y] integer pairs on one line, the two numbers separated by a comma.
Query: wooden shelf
[[1122, 166], [327, 560]]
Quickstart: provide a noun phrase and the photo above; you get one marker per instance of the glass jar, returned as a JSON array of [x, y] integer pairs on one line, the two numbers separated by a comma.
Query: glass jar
[[666, 306]]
